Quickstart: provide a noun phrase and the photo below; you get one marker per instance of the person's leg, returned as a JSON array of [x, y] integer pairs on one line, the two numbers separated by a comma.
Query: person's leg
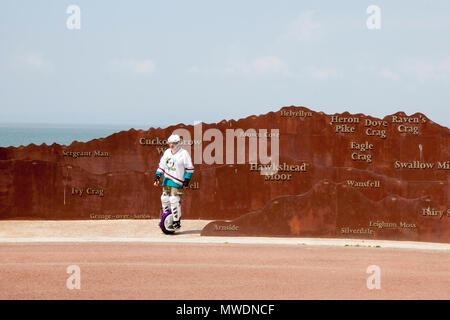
[[176, 196], [165, 199]]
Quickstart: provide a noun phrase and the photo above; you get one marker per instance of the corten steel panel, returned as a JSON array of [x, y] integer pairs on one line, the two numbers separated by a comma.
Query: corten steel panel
[[363, 177]]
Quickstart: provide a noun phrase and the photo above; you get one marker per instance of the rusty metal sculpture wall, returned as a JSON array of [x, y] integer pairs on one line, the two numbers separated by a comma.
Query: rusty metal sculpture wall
[[340, 175]]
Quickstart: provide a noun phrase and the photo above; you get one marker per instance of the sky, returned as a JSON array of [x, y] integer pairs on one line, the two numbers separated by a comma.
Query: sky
[[159, 63]]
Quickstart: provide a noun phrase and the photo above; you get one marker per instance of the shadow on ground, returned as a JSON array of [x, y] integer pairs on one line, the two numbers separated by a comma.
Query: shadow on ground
[[188, 232]]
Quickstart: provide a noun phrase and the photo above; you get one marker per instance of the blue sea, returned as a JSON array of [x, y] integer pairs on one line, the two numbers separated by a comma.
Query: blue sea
[[17, 135]]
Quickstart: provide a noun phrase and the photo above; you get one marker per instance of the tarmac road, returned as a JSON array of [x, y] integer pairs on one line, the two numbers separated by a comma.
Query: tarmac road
[[131, 270]]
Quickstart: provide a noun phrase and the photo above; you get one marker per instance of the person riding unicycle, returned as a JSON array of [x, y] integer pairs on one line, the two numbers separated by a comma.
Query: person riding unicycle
[[177, 168]]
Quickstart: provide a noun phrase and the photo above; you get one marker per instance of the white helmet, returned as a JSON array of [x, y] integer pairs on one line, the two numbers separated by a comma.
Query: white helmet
[[174, 139]]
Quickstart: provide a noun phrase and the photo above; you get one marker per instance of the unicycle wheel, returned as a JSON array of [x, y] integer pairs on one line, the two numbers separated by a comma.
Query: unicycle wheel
[[166, 223]]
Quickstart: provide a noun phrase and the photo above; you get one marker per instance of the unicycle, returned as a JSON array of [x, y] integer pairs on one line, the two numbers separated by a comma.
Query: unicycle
[[166, 222]]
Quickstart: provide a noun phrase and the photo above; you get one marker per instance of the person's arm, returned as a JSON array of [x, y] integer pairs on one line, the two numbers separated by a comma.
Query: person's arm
[[189, 169], [161, 168]]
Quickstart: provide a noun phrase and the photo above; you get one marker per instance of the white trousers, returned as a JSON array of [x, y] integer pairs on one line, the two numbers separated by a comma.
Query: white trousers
[[171, 200]]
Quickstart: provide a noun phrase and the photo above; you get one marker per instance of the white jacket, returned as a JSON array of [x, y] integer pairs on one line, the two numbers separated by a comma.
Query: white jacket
[[175, 167]]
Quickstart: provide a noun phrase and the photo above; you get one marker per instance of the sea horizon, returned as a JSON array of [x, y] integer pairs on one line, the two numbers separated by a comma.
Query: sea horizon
[[23, 134]]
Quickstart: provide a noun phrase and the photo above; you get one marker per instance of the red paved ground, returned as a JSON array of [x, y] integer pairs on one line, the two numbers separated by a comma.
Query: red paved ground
[[225, 271]]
